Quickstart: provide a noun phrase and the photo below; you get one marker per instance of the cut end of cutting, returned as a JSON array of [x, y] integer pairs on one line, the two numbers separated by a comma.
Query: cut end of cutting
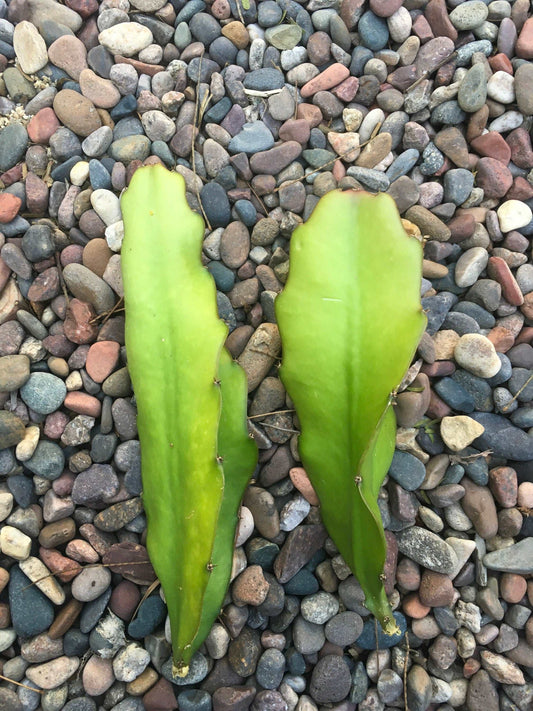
[[180, 670]]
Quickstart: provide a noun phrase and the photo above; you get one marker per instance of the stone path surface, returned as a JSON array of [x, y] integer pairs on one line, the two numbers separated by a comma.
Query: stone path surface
[[263, 107]]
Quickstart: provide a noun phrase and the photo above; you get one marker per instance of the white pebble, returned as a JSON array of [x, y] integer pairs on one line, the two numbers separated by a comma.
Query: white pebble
[[14, 543], [126, 38], [114, 235], [514, 214], [477, 354], [500, 87], [458, 432], [106, 205], [130, 662], [39, 574], [6, 504], [79, 173], [29, 47], [28, 445]]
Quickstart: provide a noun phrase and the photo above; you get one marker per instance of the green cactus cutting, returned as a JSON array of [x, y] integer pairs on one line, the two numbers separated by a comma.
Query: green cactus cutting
[[350, 319], [191, 402]]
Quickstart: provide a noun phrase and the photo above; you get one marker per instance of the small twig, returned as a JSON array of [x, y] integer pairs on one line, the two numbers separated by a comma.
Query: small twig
[[106, 315], [427, 73], [258, 197], [405, 672], [457, 459], [265, 414], [24, 686], [282, 429], [61, 279], [262, 94], [506, 407], [146, 595]]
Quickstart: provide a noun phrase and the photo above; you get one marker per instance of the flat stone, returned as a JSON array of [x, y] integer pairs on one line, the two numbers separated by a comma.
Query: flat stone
[[30, 47], [517, 558], [126, 39], [475, 353], [427, 549], [76, 112], [459, 432], [54, 673], [503, 438]]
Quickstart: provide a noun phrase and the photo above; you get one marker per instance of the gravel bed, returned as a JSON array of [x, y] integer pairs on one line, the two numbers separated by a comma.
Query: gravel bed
[[263, 109]]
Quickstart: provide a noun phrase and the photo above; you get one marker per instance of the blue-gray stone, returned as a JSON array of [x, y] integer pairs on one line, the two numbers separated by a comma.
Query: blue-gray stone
[[194, 700], [129, 704], [446, 620], [149, 616], [359, 684], [460, 323], [7, 461], [477, 469], [317, 157], [503, 438], [254, 137], [264, 79], [367, 638], [62, 171], [370, 178], [270, 669], [295, 661], [448, 113], [188, 11], [128, 126], [47, 461], [182, 36], [215, 204], [161, 150], [523, 417], [360, 57], [402, 164], [82, 703], [521, 384], [478, 388], [517, 558], [458, 184], [246, 212], [43, 392], [100, 61], [269, 13], [483, 317], [22, 489], [432, 160], [303, 583], [7, 49], [93, 611], [31, 612], [436, 308], [16, 227], [218, 111], [204, 28], [261, 552], [37, 243], [407, 470], [454, 474], [13, 144], [125, 107], [73, 85], [455, 395], [373, 31], [227, 177], [465, 53], [201, 70], [225, 311], [223, 276], [98, 176], [223, 51]]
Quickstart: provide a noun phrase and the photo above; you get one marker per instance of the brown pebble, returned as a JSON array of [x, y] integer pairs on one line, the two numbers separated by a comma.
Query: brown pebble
[[65, 618], [503, 483], [57, 533], [479, 506], [102, 359], [512, 587], [160, 697], [250, 587], [96, 255], [413, 606], [436, 589], [76, 112], [124, 600], [64, 568]]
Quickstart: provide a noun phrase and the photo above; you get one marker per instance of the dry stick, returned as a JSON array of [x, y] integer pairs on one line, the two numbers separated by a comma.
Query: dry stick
[[61, 279], [405, 672], [30, 688], [428, 72], [506, 407], [265, 414]]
